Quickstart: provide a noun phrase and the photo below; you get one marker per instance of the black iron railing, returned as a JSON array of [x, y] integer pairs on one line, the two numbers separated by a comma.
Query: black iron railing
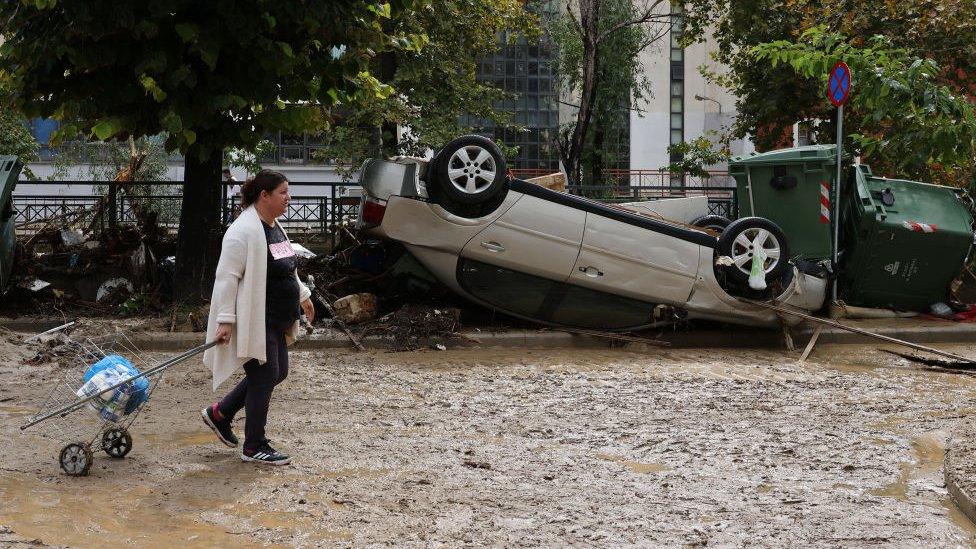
[[108, 204]]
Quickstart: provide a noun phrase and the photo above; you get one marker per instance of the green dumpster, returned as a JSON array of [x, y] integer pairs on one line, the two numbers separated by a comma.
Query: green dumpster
[[9, 172], [902, 242], [790, 187]]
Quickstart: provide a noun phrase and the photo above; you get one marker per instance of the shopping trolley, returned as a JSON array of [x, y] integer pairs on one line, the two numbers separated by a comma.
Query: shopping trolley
[[106, 383]]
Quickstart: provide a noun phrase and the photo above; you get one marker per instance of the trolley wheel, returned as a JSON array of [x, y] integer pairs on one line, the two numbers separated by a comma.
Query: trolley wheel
[[76, 459], [117, 442]]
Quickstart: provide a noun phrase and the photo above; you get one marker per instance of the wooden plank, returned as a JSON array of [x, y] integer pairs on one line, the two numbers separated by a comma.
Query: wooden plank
[[554, 181]]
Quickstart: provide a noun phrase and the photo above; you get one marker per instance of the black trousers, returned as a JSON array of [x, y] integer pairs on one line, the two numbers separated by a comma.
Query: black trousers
[[253, 393]]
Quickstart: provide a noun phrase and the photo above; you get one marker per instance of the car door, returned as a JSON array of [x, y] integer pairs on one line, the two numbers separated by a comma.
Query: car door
[[535, 236], [636, 261]]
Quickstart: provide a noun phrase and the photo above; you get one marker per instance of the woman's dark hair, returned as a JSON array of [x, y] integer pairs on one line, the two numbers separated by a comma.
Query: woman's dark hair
[[264, 180]]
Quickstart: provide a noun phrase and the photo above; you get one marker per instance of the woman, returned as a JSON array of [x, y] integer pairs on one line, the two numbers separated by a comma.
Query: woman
[[257, 301]]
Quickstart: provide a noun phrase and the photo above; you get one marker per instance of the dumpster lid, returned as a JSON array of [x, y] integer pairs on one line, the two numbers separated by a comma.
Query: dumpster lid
[[816, 153]]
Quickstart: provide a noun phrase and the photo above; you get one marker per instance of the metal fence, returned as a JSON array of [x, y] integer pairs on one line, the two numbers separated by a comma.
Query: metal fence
[[107, 204], [721, 200], [325, 207], [639, 185]]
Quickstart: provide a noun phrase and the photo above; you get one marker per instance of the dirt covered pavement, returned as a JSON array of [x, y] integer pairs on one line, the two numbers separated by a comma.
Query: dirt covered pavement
[[481, 447]]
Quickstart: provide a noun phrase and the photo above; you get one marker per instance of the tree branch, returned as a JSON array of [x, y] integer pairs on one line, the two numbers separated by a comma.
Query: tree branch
[[574, 19], [647, 16], [645, 44]]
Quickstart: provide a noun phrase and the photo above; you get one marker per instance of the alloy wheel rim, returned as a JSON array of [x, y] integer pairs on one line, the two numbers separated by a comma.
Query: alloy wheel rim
[[748, 242], [471, 170]]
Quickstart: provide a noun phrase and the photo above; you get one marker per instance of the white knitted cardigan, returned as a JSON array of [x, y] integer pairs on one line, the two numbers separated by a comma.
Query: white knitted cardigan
[[239, 293]]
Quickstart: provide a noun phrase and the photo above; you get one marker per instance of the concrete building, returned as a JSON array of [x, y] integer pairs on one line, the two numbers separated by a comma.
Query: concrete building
[[684, 105]]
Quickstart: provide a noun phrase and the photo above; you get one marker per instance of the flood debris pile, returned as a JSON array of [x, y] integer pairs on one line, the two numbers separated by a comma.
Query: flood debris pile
[[369, 287], [123, 270], [418, 326], [57, 347]]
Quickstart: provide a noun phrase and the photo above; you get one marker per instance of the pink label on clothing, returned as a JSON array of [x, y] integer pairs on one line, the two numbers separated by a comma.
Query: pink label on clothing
[[281, 250]]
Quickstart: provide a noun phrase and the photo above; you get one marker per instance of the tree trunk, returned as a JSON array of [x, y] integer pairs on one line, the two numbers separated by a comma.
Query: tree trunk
[[589, 21], [198, 241], [597, 152]]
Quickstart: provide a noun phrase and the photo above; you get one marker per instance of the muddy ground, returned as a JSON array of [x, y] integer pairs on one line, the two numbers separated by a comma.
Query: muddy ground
[[603, 448]]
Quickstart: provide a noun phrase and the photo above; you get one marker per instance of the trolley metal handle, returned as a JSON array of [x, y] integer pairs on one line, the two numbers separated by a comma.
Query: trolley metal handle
[[79, 403]]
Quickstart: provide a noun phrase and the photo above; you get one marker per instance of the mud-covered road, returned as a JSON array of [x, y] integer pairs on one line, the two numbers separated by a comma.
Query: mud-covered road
[[504, 448]]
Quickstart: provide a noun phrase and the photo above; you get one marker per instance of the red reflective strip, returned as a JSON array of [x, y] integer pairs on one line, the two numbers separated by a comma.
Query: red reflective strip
[[824, 202], [920, 227]]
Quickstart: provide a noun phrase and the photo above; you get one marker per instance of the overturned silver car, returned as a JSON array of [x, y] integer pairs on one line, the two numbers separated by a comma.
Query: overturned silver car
[[565, 260]]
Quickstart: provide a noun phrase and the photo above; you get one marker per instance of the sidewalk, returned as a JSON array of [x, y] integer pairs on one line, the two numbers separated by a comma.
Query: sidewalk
[[910, 329]]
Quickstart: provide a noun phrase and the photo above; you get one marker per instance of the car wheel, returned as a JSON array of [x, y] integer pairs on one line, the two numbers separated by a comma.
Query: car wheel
[[743, 237], [469, 170], [715, 223]]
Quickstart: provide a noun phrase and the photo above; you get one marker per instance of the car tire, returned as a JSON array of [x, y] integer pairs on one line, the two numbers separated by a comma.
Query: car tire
[[468, 170], [739, 238], [715, 223]]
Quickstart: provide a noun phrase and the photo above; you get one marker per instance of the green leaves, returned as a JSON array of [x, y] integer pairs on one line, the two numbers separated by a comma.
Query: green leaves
[[15, 138], [696, 156], [107, 128], [187, 31], [779, 57], [172, 122], [209, 76], [209, 53], [382, 10], [894, 94], [435, 49], [149, 84]]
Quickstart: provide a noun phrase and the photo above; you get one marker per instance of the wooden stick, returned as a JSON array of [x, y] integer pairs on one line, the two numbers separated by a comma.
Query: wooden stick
[[51, 331], [810, 344], [342, 325], [835, 324]]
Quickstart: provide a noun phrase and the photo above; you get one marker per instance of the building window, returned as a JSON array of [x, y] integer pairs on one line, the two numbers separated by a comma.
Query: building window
[[524, 69], [805, 134], [677, 134], [294, 149]]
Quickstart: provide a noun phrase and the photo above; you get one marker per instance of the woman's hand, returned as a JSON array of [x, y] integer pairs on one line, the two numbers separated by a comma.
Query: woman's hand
[[308, 309], [224, 330]]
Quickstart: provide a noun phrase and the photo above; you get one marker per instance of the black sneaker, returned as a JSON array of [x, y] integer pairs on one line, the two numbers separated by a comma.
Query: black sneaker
[[220, 428], [265, 454]]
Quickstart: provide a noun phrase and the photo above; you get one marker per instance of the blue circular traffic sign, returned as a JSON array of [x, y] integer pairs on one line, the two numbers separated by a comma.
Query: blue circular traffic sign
[[839, 84]]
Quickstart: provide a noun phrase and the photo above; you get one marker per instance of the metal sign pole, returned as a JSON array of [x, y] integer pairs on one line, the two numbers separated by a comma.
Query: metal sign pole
[[840, 144]]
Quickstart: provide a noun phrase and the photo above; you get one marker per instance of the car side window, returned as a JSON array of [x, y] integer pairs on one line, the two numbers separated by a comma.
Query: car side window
[[550, 301], [506, 289], [588, 308]]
